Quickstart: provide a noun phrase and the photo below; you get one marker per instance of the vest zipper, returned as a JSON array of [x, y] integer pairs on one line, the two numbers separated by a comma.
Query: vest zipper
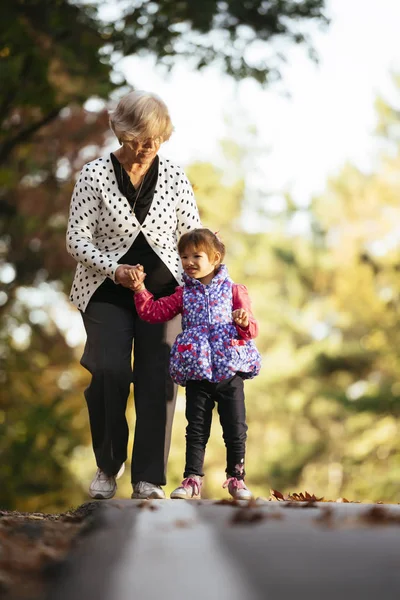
[[208, 305]]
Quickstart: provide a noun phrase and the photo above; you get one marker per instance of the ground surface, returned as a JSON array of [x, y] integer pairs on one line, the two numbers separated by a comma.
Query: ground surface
[[123, 549], [33, 546]]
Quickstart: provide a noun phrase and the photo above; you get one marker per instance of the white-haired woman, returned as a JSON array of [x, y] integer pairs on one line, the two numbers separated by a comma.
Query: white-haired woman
[[129, 208]]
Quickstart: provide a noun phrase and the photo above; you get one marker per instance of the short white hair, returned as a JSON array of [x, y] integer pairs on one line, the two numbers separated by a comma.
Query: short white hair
[[141, 115]]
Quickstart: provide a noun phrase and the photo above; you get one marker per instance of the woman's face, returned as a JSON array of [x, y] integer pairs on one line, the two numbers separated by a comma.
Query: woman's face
[[143, 151]]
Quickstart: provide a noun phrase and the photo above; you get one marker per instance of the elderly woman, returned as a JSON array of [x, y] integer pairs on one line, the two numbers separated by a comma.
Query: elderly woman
[[129, 208]]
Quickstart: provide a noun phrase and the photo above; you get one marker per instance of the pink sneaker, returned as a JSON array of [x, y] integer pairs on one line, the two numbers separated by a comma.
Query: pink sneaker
[[237, 489], [190, 489]]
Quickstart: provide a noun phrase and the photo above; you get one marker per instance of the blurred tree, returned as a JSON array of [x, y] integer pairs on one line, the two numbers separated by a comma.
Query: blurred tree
[[237, 35], [42, 416], [324, 414], [54, 55], [51, 55], [40, 185], [340, 394], [54, 52]]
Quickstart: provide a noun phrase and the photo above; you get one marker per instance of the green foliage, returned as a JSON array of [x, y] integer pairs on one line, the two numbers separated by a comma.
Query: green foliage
[[228, 33], [49, 58], [56, 52], [41, 417], [324, 414]]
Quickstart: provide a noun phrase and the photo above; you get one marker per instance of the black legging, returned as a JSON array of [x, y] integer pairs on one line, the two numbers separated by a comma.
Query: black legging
[[200, 399], [111, 332]]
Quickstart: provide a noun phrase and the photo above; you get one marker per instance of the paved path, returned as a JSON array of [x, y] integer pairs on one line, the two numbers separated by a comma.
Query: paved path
[[173, 550]]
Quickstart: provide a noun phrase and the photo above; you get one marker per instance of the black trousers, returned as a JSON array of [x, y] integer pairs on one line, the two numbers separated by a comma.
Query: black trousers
[[111, 332], [200, 400]]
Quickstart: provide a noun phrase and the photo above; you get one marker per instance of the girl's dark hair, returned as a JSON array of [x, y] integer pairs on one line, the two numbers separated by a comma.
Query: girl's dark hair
[[201, 239]]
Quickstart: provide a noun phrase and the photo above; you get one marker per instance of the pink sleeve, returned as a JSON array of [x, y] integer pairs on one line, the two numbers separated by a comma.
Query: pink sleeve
[[161, 310], [241, 299]]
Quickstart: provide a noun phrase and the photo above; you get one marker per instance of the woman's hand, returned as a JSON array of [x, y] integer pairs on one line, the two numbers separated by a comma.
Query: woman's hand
[[241, 317], [123, 275]]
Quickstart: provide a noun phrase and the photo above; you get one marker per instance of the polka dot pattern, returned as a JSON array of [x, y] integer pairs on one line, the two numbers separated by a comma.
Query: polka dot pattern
[[101, 224]]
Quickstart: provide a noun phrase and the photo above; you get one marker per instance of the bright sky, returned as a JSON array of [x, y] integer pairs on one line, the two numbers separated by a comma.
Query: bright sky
[[328, 118]]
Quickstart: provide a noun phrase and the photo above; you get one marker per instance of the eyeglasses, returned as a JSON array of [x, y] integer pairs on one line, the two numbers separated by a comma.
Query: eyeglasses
[[147, 143]]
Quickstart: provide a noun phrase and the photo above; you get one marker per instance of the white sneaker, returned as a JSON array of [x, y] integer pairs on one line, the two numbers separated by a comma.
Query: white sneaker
[[145, 490], [104, 486], [237, 489], [189, 489]]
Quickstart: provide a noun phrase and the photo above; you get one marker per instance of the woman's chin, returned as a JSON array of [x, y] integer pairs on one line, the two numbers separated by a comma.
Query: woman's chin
[[145, 159]]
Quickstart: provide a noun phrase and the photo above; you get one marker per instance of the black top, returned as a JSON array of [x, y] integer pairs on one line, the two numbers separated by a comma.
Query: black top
[[159, 280]]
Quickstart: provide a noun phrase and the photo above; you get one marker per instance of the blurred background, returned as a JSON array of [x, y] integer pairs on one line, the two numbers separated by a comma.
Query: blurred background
[[287, 121]]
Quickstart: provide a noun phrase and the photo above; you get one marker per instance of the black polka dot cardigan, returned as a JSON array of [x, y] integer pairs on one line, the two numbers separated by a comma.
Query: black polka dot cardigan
[[102, 227]]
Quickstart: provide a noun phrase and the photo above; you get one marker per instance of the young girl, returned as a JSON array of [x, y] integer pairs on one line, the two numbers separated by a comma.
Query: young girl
[[211, 357]]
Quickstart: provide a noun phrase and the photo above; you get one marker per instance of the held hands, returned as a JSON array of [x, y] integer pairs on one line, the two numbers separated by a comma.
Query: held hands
[[137, 277], [241, 317], [131, 277]]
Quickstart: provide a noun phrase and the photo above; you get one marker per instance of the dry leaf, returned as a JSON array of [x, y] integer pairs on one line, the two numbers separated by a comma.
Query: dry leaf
[[147, 504], [306, 497], [276, 515], [295, 497], [183, 524], [246, 516], [380, 516], [277, 495], [300, 505], [325, 517]]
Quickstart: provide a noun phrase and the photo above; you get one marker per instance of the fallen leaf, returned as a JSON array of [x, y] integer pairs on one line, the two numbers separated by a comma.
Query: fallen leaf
[[277, 495], [183, 524], [380, 516], [147, 504], [295, 497], [301, 504], [325, 517], [276, 515], [246, 516], [303, 497], [226, 502]]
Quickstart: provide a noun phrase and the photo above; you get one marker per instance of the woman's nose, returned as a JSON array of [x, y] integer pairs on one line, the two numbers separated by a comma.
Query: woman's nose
[[149, 144]]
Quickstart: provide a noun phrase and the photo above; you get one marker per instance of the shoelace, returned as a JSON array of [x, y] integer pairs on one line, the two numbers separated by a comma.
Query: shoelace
[[235, 483], [190, 482]]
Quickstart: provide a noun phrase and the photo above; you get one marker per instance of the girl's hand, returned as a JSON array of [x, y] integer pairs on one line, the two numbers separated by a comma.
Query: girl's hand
[[241, 317], [123, 275], [137, 276]]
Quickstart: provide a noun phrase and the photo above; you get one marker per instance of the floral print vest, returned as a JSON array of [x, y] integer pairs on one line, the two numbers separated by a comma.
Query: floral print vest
[[209, 346]]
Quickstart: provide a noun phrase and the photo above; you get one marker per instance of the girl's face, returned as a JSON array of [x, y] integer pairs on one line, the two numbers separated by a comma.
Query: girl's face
[[197, 264]]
